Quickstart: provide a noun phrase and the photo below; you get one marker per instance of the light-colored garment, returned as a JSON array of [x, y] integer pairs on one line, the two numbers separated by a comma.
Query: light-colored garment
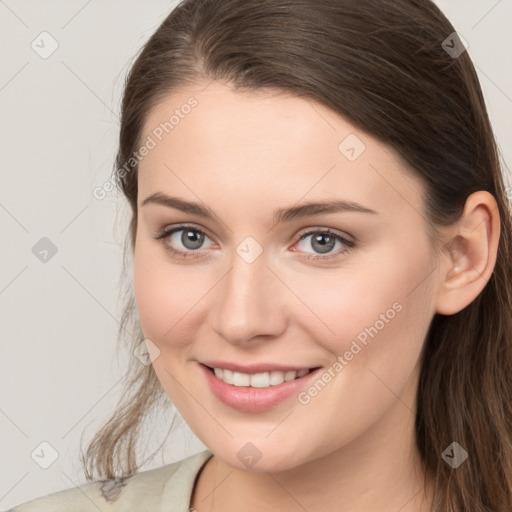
[[165, 489]]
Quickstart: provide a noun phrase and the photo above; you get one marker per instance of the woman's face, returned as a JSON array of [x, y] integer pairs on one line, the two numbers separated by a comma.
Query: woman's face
[[259, 284]]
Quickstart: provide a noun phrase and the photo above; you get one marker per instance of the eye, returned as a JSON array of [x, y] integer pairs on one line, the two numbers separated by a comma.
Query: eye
[[323, 241], [186, 241], [183, 241]]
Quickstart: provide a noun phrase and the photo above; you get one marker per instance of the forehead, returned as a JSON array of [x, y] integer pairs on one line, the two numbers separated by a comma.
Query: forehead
[[217, 142]]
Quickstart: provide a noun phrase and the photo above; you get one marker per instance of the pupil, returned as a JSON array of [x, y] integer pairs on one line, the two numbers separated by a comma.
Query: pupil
[[325, 243], [192, 239]]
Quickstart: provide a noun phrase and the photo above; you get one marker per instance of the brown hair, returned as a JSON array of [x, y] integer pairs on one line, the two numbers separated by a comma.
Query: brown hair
[[382, 65]]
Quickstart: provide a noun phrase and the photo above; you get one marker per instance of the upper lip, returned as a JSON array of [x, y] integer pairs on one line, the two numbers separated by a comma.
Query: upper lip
[[256, 367]]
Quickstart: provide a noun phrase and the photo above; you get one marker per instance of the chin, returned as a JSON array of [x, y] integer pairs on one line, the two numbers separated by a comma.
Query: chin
[[262, 457]]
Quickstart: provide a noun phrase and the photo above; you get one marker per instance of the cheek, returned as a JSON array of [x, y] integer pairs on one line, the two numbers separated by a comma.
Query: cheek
[[162, 293], [378, 304], [379, 317]]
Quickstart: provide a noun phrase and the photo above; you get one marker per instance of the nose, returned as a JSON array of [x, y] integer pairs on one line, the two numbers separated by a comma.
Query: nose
[[249, 304]]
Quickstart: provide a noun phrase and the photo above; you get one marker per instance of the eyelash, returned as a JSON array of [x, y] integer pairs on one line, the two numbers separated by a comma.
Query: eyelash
[[196, 254]]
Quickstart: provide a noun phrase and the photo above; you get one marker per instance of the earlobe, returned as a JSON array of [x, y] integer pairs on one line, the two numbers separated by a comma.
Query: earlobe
[[469, 257]]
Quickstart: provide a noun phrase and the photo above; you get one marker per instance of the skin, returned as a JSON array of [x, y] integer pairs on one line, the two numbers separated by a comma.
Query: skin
[[243, 155]]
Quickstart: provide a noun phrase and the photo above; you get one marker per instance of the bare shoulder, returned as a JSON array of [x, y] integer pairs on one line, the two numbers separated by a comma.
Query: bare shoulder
[[142, 489]]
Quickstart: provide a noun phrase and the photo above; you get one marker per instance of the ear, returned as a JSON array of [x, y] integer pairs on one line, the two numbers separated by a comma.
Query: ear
[[469, 256]]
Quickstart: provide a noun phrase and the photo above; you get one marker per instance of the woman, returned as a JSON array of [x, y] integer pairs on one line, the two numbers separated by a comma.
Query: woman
[[322, 265]]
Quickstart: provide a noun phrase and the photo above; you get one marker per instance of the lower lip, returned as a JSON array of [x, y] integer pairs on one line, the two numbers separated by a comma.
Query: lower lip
[[249, 399]]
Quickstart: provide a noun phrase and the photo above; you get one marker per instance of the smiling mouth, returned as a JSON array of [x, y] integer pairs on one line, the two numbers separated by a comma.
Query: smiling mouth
[[257, 380]]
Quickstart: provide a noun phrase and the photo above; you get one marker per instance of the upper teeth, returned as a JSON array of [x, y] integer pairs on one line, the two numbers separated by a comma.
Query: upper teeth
[[257, 380]]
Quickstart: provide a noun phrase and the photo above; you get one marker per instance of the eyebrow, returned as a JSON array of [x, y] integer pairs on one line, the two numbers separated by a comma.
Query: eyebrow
[[280, 215]]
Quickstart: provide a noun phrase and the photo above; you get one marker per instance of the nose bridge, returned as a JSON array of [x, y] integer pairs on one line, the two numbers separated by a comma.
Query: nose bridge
[[246, 304]]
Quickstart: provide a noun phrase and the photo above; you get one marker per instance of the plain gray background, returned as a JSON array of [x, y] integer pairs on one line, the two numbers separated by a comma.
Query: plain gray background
[[59, 369]]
